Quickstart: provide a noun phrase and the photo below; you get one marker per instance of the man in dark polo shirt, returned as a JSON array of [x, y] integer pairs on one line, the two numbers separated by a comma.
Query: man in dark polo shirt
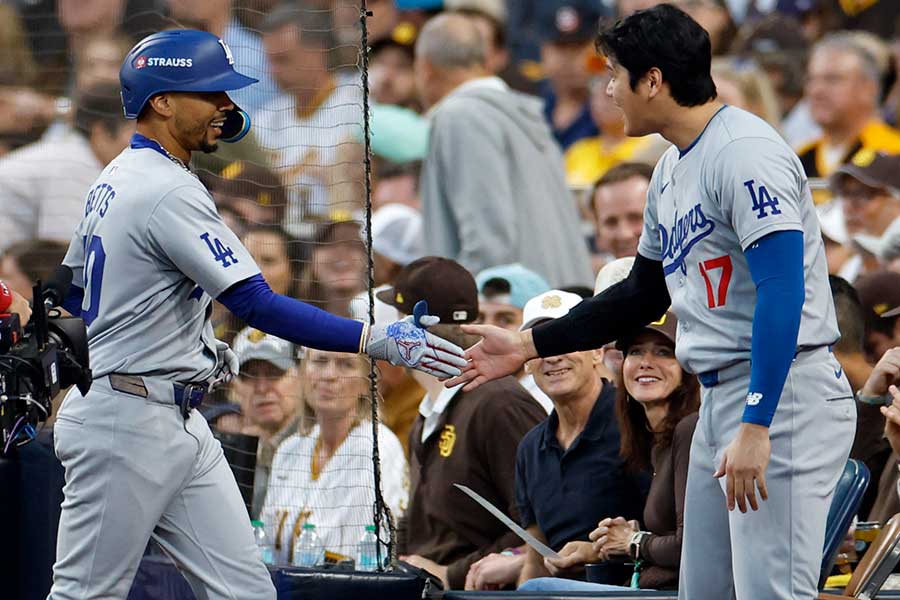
[[569, 474], [468, 438]]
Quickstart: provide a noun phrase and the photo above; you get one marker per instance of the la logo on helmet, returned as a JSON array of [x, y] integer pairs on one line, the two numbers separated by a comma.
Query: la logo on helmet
[[228, 54]]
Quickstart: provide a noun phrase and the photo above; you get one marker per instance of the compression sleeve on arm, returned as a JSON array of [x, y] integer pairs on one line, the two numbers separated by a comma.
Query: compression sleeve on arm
[[254, 301], [639, 299], [776, 266], [73, 301]]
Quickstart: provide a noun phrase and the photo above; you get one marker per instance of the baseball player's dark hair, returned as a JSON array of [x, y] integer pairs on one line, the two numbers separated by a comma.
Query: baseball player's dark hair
[[850, 315], [99, 104], [667, 38], [636, 438]]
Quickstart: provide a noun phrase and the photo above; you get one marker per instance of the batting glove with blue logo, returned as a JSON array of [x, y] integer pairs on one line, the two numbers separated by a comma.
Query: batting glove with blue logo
[[407, 343]]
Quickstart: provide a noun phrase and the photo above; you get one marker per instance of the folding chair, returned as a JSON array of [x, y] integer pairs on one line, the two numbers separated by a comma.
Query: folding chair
[[878, 562], [844, 505]]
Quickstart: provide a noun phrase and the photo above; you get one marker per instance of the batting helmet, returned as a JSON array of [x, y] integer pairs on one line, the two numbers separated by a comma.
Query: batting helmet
[[182, 60]]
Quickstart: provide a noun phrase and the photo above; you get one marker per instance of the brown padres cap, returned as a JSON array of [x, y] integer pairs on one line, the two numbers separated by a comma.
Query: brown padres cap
[[445, 284], [666, 325], [879, 293], [874, 169]]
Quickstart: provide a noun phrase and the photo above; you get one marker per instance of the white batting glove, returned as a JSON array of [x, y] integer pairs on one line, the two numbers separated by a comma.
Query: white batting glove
[[403, 343]]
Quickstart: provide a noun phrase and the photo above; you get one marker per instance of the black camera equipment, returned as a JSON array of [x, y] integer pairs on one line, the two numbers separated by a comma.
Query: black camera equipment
[[50, 354]]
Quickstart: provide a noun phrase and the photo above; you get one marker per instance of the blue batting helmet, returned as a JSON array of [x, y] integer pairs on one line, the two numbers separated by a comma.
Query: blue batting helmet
[[182, 60]]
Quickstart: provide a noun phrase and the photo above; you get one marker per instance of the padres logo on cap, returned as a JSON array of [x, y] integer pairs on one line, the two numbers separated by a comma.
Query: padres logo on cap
[[864, 157], [553, 301]]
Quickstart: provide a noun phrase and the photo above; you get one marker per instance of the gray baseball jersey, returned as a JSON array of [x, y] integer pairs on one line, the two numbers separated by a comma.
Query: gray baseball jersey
[[150, 254], [738, 182]]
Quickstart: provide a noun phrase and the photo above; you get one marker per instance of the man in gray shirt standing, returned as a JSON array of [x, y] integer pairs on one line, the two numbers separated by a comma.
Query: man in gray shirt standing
[[493, 186]]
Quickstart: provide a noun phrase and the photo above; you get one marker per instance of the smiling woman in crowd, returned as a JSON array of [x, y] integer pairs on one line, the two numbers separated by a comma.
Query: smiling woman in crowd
[[656, 406]]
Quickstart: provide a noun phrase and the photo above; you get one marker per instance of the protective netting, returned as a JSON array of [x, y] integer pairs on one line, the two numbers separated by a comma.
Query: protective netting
[[298, 426]]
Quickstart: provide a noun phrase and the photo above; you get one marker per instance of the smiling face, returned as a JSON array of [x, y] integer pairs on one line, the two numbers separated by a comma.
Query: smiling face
[[650, 370], [619, 215], [566, 376], [197, 118]]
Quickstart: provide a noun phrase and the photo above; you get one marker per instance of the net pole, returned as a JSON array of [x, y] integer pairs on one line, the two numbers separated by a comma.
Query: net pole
[[381, 509]]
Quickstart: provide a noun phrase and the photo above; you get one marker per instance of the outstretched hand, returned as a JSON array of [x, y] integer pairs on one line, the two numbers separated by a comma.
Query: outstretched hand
[[500, 352], [407, 343]]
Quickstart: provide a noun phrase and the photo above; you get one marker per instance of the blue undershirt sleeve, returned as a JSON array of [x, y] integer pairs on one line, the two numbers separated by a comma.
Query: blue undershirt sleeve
[[73, 301], [776, 266], [254, 301]]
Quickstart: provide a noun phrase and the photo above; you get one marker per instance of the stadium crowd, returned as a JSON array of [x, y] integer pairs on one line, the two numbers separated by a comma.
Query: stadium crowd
[[503, 191]]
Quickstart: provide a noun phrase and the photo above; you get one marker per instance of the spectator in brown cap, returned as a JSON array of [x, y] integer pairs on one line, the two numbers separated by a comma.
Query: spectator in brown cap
[[879, 293], [459, 437], [877, 392], [251, 191], [869, 191], [391, 68]]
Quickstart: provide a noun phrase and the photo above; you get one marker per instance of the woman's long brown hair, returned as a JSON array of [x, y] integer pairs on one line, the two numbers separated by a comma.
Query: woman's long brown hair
[[636, 438]]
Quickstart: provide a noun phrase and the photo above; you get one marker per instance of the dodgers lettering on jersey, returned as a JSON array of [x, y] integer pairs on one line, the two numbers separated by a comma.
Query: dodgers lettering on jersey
[[739, 182], [150, 254]]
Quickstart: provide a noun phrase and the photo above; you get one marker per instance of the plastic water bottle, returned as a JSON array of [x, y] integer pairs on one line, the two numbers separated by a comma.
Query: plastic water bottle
[[308, 549], [367, 554], [266, 550]]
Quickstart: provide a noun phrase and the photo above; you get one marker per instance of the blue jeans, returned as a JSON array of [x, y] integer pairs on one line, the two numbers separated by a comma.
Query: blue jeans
[[556, 584]]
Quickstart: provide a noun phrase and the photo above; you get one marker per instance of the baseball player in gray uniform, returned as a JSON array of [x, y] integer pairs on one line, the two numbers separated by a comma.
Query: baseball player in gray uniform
[[147, 260], [731, 239]]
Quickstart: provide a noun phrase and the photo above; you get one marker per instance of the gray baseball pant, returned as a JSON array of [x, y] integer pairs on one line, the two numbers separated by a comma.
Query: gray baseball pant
[[776, 552], [135, 470]]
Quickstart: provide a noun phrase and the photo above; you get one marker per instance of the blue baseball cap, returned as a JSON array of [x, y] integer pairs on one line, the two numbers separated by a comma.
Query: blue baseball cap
[[524, 284]]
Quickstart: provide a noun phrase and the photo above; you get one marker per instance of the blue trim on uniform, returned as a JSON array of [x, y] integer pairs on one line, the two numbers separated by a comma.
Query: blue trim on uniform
[[682, 153], [709, 379], [776, 266], [139, 141], [254, 302], [73, 301]]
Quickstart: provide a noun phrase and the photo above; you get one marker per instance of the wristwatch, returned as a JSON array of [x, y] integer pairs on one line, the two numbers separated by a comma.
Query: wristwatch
[[882, 400], [634, 544]]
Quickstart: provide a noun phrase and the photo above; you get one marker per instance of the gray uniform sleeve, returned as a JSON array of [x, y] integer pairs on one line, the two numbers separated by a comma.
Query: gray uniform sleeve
[[758, 183], [186, 229], [74, 258], [649, 245]]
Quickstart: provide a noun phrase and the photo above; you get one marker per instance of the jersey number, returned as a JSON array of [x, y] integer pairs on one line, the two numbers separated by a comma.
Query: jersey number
[[94, 261], [718, 298]]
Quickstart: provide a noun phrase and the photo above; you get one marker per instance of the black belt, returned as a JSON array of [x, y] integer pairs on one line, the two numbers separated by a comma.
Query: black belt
[[710, 379], [184, 395]]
